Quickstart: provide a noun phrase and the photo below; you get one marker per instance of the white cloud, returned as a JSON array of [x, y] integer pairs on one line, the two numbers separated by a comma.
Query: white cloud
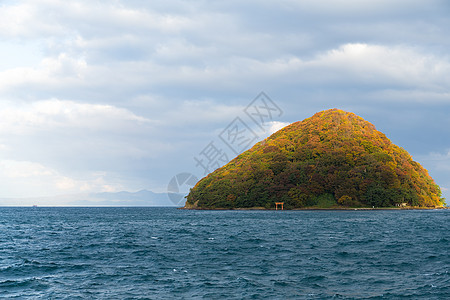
[[52, 73], [439, 161], [29, 179], [23, 169], [358, 8], [133, 86], [127, 49], [59, 114], [72, 140], [64, 66], [438, 165], [376, 64], [276, 125], [15, 21], [56, 18], [373, 65], [270, 128], [402, 95], [200, 112]]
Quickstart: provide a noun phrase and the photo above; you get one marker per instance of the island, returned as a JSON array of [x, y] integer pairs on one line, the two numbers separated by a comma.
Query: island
[[332, 160]]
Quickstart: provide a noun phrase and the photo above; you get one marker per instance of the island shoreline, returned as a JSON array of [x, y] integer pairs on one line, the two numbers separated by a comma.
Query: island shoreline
[[318, 209]]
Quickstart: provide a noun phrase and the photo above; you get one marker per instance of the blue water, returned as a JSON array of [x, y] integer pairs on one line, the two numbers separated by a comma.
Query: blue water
[[153, 253]]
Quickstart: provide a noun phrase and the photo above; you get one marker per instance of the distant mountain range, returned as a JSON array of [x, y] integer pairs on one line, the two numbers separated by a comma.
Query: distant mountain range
[[124, 198]]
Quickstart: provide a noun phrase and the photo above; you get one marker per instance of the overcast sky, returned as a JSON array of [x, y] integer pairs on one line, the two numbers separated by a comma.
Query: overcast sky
[[117, 95]]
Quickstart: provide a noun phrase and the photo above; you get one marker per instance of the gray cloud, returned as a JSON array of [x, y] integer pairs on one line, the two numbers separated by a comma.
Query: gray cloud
[[118, 95]]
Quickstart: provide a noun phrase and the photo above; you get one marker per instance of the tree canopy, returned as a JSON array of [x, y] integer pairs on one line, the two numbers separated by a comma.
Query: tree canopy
[[334, 158]]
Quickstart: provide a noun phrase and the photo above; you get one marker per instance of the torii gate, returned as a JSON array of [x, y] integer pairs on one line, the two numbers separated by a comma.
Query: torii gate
[[279, 203]]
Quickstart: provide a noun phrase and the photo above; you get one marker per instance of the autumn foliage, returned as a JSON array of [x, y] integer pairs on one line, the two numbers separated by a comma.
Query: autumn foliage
[[334, 157]]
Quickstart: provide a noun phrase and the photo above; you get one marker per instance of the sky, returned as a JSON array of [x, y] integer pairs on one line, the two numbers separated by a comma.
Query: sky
[[109, 96]]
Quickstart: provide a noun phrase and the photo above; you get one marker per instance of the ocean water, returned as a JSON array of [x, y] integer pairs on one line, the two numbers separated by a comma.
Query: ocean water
[[154, 253]]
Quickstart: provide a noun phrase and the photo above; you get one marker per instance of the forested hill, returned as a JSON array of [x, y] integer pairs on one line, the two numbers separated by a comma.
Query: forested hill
[[335, 158]]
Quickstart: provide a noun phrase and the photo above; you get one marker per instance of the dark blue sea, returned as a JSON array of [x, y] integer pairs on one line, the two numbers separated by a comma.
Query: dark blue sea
[[164, 253]]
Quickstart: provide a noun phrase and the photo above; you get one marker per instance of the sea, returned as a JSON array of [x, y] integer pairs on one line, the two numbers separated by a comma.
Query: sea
[[166, 253]]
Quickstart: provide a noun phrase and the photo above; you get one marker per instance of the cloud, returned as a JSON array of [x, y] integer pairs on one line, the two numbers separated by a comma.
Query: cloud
[[134, 89], [377, 64], [74, 139], [397, 68], [131, 49], [439, 161], [276, 125], [438, 165], [48, 115], [51, 74], [352, 7], [23, 169], [45, 181], [15, 20], [62, 17]]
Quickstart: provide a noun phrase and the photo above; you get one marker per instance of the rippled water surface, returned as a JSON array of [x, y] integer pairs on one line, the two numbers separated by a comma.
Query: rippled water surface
[[152, 253]]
